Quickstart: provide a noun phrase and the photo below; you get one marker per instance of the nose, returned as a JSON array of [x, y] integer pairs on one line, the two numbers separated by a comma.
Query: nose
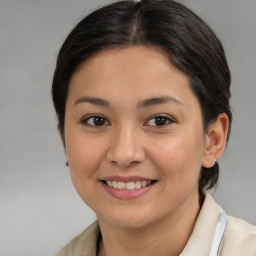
[[126, 146]]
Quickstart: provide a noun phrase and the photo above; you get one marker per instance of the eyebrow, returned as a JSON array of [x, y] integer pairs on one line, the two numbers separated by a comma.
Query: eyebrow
[[143, 104], [158, 100], [94, 101]]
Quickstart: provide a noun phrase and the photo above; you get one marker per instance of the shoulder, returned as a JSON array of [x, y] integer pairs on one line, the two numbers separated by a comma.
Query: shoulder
[[85, 244], [239, 238]]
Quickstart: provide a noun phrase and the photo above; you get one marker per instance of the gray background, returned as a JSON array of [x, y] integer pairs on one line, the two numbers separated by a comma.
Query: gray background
[[39, 208]]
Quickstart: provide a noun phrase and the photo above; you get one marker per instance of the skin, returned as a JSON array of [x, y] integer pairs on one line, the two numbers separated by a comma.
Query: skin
[[130, 143]]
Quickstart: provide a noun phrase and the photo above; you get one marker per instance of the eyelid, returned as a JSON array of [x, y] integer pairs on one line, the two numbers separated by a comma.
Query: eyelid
[[169, 119], [84, 120], [87, 117]]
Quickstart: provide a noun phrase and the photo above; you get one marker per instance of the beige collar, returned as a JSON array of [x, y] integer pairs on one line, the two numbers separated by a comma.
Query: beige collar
[[199, 243], [201, 238]]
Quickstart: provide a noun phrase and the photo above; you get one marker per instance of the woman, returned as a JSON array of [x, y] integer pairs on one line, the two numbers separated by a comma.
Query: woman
[[142, 92]]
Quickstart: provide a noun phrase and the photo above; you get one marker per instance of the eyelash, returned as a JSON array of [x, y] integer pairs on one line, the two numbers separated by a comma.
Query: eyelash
[[167, 120], [85, 120], [161, 117]]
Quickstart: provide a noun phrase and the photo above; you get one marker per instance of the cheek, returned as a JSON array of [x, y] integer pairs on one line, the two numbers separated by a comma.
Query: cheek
[[179, 157], [84, 155]]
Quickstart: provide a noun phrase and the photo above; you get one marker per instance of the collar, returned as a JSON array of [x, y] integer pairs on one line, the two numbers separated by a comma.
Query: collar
[[201, 239], [199, 243]]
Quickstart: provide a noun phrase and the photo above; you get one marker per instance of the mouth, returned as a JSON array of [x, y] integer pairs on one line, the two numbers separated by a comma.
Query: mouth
[[127, 188], [130, 185]]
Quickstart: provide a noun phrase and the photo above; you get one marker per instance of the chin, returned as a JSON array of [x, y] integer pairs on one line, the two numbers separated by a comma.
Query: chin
[[131, 223], [126, 219]]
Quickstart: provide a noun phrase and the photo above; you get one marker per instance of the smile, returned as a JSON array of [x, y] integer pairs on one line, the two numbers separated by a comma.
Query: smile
[[127, 188], [128, 185]]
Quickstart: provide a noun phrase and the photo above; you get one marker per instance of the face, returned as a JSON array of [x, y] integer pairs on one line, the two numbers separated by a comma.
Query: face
[[134, 137]]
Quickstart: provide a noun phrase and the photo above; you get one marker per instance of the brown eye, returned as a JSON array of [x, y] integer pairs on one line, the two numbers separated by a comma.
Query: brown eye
[[95, 120], [98, 121], [159, 120]]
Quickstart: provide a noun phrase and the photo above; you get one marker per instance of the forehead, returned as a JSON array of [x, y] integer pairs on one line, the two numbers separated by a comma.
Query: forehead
[[138, 71]]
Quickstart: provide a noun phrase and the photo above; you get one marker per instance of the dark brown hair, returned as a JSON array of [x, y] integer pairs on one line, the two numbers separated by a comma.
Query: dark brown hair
[[189, 42]]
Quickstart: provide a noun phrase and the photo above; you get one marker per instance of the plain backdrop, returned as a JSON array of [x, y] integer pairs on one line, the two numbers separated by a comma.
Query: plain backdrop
[[39, 208]]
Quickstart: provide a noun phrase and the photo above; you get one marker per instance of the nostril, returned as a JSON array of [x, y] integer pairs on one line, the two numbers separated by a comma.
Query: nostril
[[125, 164], [125, 150]]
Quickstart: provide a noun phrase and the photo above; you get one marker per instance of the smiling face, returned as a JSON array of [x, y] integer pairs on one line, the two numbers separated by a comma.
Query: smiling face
[[134, 137]]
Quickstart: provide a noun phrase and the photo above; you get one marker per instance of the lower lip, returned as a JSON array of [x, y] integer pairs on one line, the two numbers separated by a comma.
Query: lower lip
[[127, 194]]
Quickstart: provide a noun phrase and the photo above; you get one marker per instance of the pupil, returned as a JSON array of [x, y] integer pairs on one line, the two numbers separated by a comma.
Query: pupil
[[160, 121], [99, 121]]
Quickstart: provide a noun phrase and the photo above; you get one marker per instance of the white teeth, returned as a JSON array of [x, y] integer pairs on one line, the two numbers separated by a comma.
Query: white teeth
[[120, 185], [137, 184], [143, 183], [109, 183], [128, 185], [114, 184]]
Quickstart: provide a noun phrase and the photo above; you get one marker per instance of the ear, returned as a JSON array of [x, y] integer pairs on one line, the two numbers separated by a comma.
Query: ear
[[216, 139]]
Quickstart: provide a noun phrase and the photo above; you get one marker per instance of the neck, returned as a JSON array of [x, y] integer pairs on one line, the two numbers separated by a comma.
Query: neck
[[167, 236]]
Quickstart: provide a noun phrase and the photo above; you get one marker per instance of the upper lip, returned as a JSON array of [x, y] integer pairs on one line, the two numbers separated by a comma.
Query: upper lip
[[125, 179]]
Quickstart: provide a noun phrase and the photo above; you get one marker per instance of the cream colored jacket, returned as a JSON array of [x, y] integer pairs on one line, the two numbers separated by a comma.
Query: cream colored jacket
[[239, 238]]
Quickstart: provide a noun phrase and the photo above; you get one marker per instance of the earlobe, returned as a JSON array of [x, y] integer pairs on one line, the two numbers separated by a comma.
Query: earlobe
[[216, 140]]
